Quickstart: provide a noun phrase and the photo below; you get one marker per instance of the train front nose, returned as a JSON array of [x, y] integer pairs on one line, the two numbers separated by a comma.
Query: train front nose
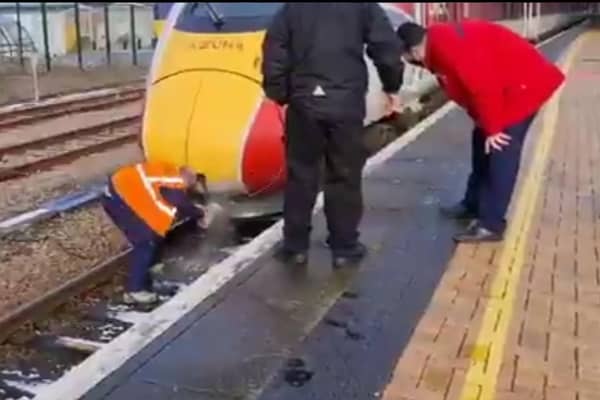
[[236, 135], [223, 127]]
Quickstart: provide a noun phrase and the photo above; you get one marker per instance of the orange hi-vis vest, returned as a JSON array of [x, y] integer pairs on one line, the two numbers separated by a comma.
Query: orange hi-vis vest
[[139, 187]]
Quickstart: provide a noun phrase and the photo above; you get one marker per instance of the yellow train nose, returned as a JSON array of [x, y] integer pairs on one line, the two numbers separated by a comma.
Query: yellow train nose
[[201, 118], [204, 98]]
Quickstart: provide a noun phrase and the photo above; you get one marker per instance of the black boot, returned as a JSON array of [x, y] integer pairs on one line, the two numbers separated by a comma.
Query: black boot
[[349, 257], [291, 257]]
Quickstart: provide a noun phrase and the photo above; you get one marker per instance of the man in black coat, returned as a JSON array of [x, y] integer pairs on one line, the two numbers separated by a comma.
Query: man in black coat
[[313, 63]]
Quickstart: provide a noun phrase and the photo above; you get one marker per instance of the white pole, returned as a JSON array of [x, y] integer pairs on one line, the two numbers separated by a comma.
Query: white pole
[[532, 16], [534, 21], [524, 30], [90, 18], [538, 19], [527, 20], [33, 58]]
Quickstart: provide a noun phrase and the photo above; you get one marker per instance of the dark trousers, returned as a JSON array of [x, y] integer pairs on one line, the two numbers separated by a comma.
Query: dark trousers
[[493, 176], [143, 240], [338, 141], [141, 259]]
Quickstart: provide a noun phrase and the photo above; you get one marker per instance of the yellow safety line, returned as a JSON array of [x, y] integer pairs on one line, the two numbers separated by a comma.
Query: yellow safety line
[[488, 352]]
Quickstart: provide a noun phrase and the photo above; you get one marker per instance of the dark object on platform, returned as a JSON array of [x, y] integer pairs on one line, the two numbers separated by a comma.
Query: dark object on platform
[[351, 294], [335, 323], [296, 372], [353, 333]]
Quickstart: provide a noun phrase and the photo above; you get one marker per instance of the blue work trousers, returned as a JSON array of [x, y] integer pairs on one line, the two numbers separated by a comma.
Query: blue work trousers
[[493, 176], [143, 240]]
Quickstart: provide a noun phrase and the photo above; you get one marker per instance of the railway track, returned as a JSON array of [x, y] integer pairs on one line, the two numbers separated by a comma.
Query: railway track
[[57, 331], [25, 158], [27, 114]]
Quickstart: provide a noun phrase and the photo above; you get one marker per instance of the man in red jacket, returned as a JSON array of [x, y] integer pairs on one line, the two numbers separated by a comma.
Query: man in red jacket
[[502, 81]]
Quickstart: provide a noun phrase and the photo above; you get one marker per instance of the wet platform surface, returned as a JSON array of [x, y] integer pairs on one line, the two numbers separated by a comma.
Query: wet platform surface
[[315, 333]]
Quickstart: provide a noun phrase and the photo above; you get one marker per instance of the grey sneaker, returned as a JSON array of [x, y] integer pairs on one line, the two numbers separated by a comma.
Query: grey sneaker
[[157, 269], [143, 297]]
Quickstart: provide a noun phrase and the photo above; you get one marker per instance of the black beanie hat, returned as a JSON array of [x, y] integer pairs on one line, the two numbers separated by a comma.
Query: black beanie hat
[[410, 34]]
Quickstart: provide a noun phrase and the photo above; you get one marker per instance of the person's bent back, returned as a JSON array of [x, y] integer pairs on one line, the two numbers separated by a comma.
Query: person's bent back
[[502, 81]]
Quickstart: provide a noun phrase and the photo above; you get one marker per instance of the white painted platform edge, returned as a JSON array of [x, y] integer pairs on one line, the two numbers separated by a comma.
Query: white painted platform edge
[[81, 379]]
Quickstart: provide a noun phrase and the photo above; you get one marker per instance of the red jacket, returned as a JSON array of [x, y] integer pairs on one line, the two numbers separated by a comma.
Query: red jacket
[[496, 75]]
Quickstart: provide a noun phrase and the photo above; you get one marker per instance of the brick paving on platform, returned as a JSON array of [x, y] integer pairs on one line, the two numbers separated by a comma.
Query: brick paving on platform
[[552, 346]]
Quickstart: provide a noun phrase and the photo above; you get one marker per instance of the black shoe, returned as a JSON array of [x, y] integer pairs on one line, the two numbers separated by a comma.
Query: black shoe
[[349, 257], [291, 257], [458, 211], [165, 288], [476, 234]]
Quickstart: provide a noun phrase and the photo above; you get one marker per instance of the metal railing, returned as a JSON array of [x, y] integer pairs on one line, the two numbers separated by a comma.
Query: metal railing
[[526, 18], [96, 33]]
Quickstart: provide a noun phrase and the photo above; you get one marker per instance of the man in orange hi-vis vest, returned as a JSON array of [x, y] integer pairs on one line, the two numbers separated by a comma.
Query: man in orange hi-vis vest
[[144, 200]]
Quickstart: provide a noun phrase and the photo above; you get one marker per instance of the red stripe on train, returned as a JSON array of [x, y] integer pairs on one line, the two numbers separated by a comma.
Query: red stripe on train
[[263, 163]]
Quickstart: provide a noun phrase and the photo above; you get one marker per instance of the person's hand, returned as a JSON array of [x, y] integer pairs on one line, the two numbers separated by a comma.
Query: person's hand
[[496, 142], [210, 213], [201, 222], [392, 103]]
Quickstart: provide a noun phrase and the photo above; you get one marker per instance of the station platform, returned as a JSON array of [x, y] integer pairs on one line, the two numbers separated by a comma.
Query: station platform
[[421, 318], [521, 320]]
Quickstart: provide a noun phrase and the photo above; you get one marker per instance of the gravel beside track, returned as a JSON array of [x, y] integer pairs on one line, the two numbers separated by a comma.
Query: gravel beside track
[[54, 126], [47, 254], [22, 195], [41, 257]]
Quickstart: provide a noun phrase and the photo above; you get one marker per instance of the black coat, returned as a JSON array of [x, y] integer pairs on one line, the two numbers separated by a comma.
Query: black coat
[[318, 48]]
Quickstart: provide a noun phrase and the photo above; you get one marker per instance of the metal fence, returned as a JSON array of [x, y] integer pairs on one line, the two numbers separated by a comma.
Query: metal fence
[[529, 19], [85, 35], [81, 35]]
